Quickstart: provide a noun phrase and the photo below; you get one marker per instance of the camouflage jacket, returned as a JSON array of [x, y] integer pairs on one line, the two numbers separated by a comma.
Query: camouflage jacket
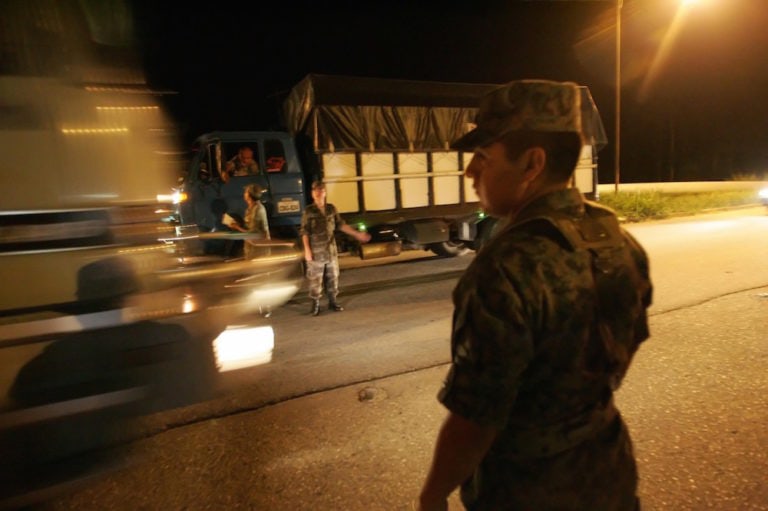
[[321, 226], [538, 349]]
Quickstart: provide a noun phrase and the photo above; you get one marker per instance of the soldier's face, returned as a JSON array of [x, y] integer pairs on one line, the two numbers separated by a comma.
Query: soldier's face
[[318, 195], [499, 182], [246, 155]]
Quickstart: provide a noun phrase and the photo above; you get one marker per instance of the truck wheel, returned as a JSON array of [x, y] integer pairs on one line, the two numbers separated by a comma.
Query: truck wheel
[[449, 248]]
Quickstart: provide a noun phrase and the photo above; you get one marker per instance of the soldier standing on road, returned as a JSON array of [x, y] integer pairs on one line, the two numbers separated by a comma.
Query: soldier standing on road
[[319, 222], [547, 318]]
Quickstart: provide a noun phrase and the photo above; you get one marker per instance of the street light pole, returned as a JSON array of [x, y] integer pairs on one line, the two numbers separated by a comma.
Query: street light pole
[[617, 157]]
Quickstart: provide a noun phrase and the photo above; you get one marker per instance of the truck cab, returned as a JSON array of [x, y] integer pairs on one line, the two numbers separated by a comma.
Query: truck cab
[[210, 194]]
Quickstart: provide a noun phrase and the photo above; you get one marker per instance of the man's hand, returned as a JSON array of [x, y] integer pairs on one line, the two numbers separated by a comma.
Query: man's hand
[[461, 446]]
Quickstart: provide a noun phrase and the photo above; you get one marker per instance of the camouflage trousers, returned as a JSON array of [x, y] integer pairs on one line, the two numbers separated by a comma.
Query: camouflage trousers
[[319, 273]]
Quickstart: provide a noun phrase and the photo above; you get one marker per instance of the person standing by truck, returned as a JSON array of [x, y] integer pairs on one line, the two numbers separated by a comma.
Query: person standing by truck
[[255, 220], [547, 319], [319, 223]]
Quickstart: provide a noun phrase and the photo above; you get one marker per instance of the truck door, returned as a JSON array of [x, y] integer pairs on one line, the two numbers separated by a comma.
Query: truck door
[[285, 185], [202, 186]]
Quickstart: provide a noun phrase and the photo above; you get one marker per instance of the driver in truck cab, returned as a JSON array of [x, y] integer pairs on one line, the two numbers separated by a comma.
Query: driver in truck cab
[[242, 164]]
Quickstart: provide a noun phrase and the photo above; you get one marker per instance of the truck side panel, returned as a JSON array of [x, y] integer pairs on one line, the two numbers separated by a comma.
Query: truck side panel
[[414, 191], [377, 182], [377, 171], [447, 188]]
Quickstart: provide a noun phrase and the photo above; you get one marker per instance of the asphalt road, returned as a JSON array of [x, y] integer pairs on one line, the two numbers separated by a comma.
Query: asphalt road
[[344, 417]]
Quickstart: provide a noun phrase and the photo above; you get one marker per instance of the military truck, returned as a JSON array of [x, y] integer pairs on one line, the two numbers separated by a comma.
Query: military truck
[[382, 146]]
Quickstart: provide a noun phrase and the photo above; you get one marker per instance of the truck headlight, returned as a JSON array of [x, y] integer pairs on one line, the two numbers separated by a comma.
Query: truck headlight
[[175, 197]]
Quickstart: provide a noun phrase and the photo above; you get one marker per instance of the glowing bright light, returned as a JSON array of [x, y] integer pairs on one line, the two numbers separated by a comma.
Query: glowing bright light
[[127, 108], [93, 131], [665, 48], [176, 197], [238, 347], [104, 88], [189, 304], [272, 295]]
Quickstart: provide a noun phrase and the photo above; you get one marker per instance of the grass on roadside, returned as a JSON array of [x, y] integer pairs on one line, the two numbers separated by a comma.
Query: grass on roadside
[[639, 206]]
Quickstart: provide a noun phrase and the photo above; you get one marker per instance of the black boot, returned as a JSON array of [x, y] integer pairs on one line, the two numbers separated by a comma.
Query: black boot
[[332, 305], [315, 308]]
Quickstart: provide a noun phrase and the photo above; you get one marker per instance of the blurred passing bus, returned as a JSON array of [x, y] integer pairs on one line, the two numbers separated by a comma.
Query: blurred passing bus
[[102, 317]]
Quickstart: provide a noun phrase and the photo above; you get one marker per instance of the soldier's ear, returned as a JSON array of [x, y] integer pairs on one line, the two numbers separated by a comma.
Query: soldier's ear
[[534, 160]]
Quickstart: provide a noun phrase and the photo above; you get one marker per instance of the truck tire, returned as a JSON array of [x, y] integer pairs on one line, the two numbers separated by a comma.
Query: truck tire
[[449, 248]]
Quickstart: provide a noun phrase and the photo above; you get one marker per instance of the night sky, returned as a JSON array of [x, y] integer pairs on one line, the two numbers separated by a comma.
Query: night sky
[[693, 108]]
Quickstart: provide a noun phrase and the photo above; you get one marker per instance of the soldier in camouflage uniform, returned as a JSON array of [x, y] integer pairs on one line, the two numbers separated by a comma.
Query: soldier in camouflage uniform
[[319, 222], [547, 318]]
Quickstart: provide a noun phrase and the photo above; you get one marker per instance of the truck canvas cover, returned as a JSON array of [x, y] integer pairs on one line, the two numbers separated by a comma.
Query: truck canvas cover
[[343, 113]]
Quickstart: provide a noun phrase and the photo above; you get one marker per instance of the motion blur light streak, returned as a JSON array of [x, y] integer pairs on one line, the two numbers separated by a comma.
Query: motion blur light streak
[[127, 108], [176, 197], [60, 325], [239, 347], [93, 131], [28, 416]]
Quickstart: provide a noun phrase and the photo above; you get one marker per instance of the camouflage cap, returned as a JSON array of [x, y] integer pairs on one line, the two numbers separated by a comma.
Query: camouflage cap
[[524, 105]]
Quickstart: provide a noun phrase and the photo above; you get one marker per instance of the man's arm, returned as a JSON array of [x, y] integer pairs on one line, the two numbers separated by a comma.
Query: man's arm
[[362, 237], [461, 445], [226, 171], [304, 232], [307, 248]]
